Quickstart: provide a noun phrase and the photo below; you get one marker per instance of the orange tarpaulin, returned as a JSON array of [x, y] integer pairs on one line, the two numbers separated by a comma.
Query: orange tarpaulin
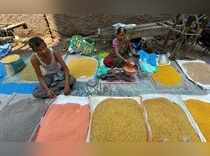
[[65, 124]]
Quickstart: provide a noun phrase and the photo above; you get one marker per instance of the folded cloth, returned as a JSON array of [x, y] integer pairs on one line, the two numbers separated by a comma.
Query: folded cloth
[[5, 49]]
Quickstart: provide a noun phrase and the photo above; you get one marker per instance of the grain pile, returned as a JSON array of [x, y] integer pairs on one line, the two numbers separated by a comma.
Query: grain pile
[[167, 75], [28, 73], [64, 124], [82, 67], [199, 72], [168, 122], [10, 58], [118, 121], [201, 114]]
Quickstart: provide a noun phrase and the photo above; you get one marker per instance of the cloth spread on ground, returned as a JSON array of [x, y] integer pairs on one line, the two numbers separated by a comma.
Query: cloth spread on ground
[[168, 122], [18, 119], [118, 121], [167, 75], [56, 82], [117, 75], [201, 113], [82, 67], [66, 123]]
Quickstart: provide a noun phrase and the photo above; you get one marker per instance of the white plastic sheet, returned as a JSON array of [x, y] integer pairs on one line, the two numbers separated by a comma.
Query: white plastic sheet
[[96, 100], [62, 99], [181, 64], [179, 101], [204, 98]]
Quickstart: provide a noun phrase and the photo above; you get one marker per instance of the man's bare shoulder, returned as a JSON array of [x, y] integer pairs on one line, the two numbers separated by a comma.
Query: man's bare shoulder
[[34, 60]]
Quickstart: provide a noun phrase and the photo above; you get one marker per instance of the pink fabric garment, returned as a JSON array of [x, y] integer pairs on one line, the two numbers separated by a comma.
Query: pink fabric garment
[[115, 43], [66, 124]]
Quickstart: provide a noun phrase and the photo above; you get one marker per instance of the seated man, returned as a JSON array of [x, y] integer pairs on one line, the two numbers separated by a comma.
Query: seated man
[[51, 71]]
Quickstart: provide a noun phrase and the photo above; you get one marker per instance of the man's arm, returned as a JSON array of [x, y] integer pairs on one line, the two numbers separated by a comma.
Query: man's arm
[[66, 71]]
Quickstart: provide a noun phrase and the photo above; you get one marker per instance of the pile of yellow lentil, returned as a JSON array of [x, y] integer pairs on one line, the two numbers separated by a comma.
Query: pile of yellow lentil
[[118, 121], [80, 67], [167, 75], [201, 113], [10, 58], [168, 122]]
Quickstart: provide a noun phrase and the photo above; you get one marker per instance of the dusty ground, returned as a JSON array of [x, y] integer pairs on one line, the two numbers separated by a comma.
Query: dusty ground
[[62, 26]]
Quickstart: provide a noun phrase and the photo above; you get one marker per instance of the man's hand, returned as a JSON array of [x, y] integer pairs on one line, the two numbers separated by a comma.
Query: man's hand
[[67, 90], [51, 93]]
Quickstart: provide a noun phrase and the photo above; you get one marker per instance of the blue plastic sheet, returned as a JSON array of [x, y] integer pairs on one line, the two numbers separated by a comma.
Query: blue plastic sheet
[[2, 71], [24, 88], [147, 68]]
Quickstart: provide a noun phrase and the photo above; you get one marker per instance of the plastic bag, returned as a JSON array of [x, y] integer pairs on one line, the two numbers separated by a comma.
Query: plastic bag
[[147, 68], [5, 49]]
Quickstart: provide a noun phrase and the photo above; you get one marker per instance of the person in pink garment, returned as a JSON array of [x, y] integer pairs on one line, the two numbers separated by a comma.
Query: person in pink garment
[[121, 50]]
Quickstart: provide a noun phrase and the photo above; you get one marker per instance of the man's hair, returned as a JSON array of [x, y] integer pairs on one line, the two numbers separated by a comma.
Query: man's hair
[[35, 42]]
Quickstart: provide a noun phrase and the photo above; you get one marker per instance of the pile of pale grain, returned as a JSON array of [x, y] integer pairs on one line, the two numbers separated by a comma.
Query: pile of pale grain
[[199, 72], [168, 122], [118, 121]]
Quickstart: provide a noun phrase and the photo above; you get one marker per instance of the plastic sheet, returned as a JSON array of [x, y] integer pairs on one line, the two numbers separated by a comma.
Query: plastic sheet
[[96, 100], [182, 62], [204, 98], [25, 88], [19, 118], [66, 124], [62, 99], [5, 49], [178, 100], [129, 135], [5, 100]]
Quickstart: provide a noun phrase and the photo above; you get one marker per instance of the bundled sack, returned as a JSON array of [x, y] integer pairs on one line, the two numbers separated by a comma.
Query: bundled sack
[[78, 44]]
